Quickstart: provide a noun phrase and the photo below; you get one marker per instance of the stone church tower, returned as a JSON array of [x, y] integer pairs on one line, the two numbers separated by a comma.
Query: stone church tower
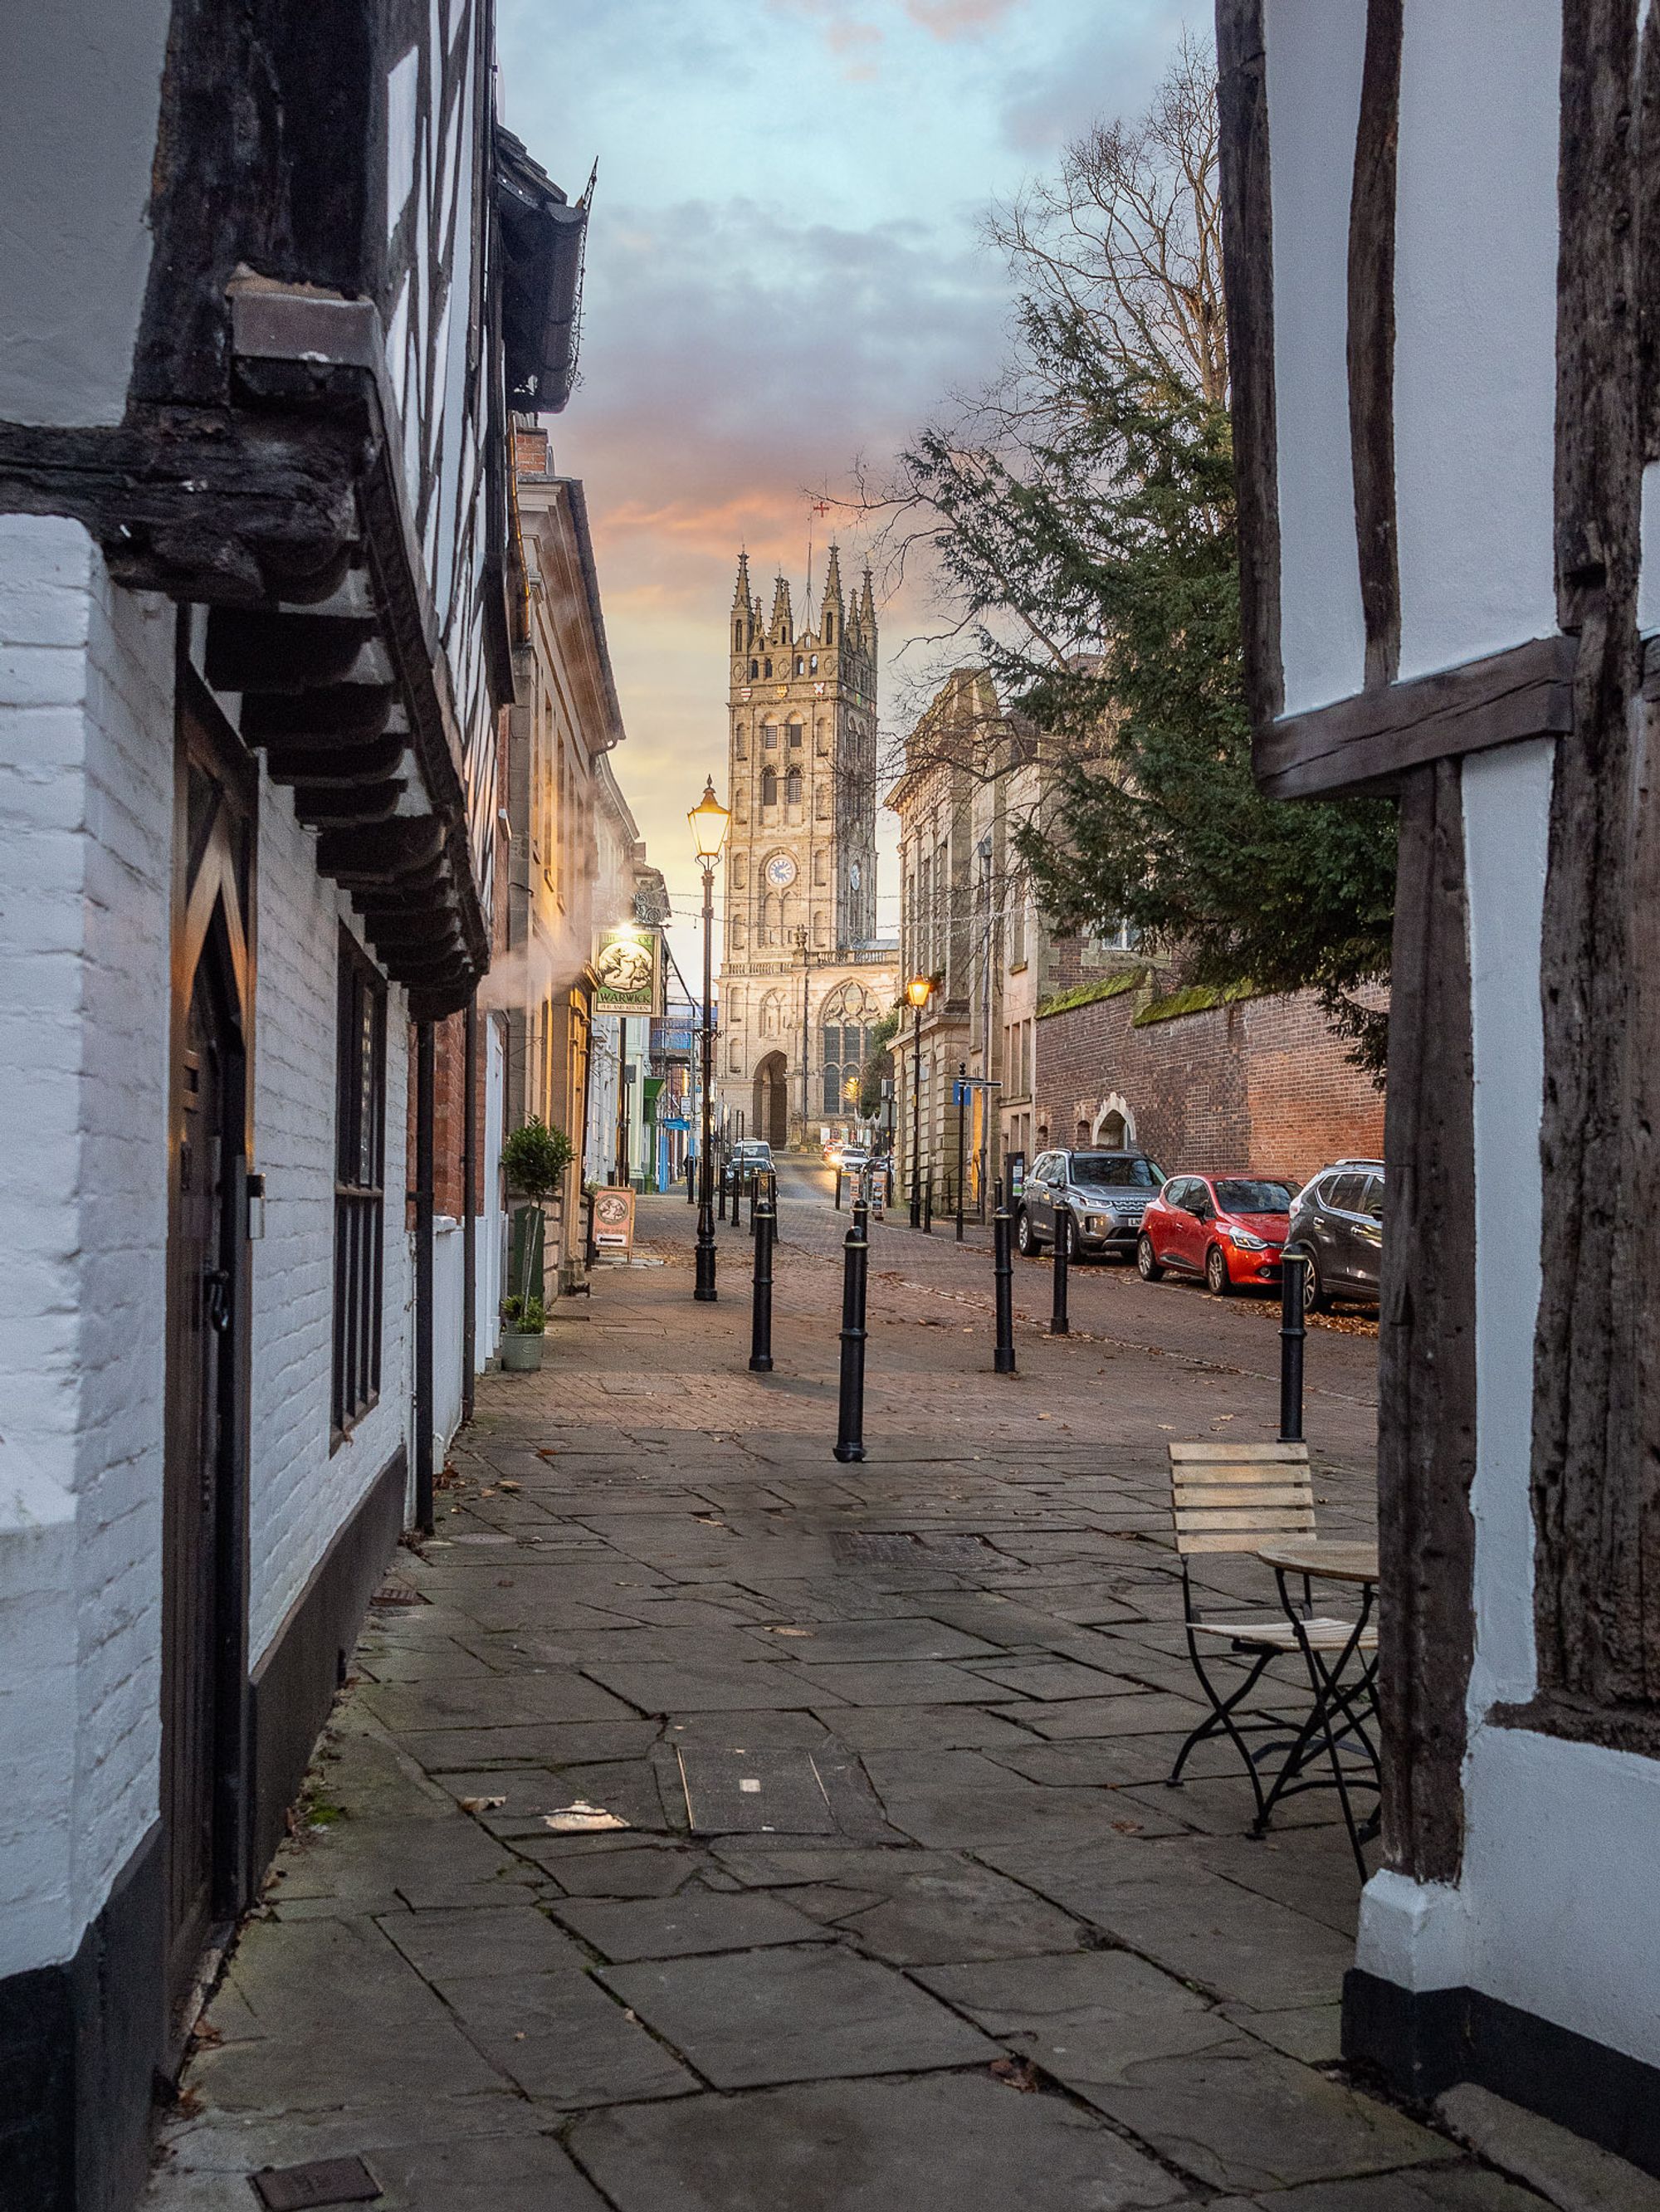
[[803, 977]]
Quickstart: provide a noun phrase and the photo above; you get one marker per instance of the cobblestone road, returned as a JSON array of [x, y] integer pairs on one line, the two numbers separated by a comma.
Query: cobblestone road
[[897, 1910]]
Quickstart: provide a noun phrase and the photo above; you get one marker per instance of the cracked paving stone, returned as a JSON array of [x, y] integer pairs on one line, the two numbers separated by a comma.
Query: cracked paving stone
[[562, 2040], [697, 1920], [795, 2015], [939, 2144]]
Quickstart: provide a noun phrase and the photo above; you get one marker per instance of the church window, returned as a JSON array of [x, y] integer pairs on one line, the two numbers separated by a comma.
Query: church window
[[819, 865], [768, 787], [768, 668], [769, 735], [829, 629], [812, 663], [844, 1041], [795, 733], [792, 788], [771, 1011], [754, 668], [737, 637]]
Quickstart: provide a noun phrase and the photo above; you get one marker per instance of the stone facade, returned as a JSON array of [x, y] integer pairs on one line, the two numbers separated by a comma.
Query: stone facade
[[803, 977], [1258, 1085]]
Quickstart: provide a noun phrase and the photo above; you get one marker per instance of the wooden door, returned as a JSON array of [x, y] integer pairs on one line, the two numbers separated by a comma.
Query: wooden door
[[203, 1574], [200, 1321]]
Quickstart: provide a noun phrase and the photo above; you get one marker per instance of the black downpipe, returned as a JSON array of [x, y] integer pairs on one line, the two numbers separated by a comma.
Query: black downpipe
[[470, 1210], [425, 1089]]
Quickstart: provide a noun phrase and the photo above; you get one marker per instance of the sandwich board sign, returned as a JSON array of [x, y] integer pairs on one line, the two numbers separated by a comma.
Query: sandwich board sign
[[613, 1221]]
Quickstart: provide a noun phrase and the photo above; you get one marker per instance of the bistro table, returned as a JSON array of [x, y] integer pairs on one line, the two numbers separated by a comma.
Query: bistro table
[[1337, 1691]]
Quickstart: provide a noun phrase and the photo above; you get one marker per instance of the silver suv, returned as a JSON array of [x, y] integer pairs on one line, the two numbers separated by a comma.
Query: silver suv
[[1105, 1195]]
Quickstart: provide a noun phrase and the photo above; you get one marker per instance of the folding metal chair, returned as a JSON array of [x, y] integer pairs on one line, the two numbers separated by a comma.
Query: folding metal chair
[[1235, 1497]]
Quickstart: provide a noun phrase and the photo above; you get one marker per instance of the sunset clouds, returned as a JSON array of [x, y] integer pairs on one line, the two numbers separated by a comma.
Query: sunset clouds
[[784, 275]]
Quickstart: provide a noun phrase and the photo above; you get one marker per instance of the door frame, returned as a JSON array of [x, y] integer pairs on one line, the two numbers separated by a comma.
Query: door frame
[[213, 919]]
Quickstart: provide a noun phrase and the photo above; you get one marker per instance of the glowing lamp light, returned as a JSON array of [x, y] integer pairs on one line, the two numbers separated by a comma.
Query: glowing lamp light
[[919, 991], [708, 820]]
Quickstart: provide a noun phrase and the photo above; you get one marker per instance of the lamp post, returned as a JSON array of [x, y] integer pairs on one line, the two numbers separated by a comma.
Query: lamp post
[[918, 990], [708, 820]]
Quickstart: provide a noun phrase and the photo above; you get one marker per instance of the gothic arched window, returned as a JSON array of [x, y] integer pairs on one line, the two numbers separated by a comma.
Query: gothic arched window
[[792, 788], [829, 629], [795, 733], [737, 637], [768, 787], [844, 1040], [769, 736], [772, 1011], [754, 668]]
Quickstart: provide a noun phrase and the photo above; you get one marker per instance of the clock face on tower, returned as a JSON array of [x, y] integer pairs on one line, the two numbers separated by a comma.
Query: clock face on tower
[[780, 872]]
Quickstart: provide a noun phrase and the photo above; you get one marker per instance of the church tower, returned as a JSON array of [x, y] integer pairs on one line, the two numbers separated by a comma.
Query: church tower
[[800, 906]]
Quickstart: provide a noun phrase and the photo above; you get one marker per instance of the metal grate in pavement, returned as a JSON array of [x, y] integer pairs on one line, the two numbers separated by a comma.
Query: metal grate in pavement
[[324, 2181]]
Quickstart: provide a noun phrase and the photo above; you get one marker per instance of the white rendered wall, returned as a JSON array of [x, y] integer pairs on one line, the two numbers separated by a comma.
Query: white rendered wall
[[448, 1271], [1555, 1909], [1314, 49], [83, 94], [1475, 327], [300, 1491], [489, 1286], [86, 795]]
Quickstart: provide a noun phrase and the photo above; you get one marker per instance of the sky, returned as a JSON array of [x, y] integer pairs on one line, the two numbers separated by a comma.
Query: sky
[[786, 277]]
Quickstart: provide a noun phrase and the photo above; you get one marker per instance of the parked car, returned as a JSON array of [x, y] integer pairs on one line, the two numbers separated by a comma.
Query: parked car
[[1104, 1194], [1338, 1223], [850, 1159], [745, 1160], [1229, 1229]]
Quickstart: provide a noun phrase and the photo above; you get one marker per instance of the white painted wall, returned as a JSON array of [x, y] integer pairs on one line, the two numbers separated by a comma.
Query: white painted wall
[[1555, 1909], [489, 1286], [86, 781], [300, 1491], [448, 1306], [1475, 327], [83, 93], [1314, 50]]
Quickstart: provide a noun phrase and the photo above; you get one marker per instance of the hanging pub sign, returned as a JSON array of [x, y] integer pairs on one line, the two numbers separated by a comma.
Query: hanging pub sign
[[630, 968]]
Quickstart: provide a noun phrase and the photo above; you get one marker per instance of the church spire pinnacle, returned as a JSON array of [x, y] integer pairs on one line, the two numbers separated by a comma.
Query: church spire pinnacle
[[867, 613], [832, 603], [782, 628]]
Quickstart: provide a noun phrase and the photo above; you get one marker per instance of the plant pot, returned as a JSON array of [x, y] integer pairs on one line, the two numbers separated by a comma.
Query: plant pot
[[521, 1354]]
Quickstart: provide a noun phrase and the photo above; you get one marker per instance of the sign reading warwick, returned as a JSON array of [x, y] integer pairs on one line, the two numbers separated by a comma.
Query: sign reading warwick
[[629, 968]]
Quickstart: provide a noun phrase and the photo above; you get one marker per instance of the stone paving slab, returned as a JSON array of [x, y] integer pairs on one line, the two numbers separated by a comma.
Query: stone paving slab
[[1012, 1959], [937, 2144]]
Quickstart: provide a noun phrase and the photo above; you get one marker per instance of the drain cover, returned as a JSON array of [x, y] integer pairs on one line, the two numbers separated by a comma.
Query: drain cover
[[325, 2181], [956, 1547], [865, 1549]]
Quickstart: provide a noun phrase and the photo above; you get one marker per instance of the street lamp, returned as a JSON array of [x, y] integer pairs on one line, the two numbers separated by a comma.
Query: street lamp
[[708, 820], [918, 990]]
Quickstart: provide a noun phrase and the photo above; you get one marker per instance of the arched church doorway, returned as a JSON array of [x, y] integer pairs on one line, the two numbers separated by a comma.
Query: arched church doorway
[[772, 1112]]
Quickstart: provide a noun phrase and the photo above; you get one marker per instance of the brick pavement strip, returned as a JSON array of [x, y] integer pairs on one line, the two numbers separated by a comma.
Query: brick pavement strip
[[898, 1846]]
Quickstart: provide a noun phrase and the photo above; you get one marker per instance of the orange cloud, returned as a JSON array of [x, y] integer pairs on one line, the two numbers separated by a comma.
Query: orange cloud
[[958, 19]]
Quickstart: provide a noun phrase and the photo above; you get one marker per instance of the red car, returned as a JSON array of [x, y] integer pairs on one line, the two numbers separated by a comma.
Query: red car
[[1230, 1230]]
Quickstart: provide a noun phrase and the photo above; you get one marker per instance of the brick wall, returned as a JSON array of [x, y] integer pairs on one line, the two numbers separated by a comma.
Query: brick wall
[[1262, 1085], [85, 779]]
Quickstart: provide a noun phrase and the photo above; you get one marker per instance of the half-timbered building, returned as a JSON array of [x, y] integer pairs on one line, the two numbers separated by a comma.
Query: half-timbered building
[[271, 278], [1443, 232]]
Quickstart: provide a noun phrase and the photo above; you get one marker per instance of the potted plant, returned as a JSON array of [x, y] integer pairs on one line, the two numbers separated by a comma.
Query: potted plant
[[534, 1159], [523, 1323]]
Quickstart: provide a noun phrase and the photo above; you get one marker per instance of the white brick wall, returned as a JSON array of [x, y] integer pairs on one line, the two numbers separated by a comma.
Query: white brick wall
[[302, 1493], [86, 774]]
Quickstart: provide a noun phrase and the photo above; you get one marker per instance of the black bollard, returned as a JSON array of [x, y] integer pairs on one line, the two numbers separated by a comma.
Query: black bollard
[[927, 1205], [761, 1319], [1003, 1271], [691, 1180], [721, 1171], [1292, 1329], [838, 1190], [1059, 1325], [850, 1422]]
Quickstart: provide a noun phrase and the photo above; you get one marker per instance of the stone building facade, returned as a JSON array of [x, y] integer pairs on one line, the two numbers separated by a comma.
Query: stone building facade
[[803, 976]]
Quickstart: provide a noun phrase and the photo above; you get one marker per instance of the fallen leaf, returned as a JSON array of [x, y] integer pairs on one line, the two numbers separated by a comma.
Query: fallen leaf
[[1128, 1827], [520, 1485], [1019, 2073], [481, 1804]]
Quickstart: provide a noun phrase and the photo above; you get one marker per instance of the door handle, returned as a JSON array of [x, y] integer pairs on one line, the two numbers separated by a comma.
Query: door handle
[[216, 1291]]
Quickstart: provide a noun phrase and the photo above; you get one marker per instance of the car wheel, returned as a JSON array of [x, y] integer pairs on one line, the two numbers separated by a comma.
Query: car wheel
[[1315, 1297], [1146, 1264], [1217, 1279], [1025, 1237]]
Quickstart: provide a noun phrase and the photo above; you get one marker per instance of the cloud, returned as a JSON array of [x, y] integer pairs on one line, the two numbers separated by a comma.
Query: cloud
[[959, 19]]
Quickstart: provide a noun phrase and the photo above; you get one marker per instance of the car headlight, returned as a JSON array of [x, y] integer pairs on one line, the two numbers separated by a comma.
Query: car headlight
[[1246, 1242]]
